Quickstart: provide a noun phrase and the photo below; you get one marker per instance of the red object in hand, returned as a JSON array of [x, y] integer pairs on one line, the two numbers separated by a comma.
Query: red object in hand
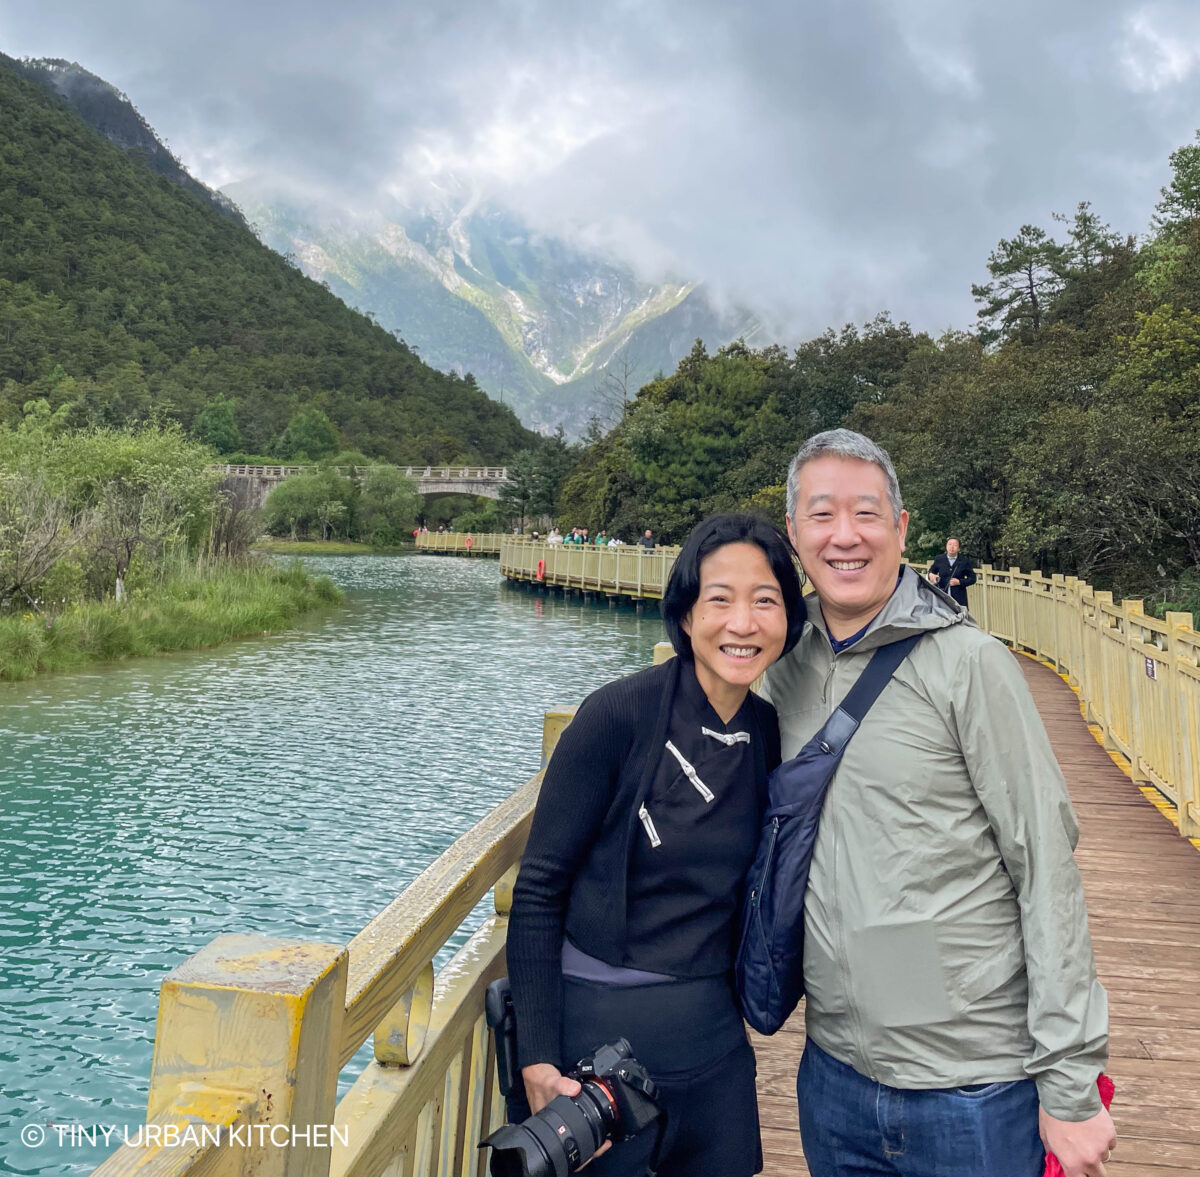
[[1107, 1088]]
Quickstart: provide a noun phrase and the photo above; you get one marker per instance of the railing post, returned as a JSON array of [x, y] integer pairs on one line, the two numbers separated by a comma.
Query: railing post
[[1074, 604], [1017, 597], [260, 1018], [1130, 612], [980, 612], [553, 725], [1184, 766], [1106, 689], [1056, 595]]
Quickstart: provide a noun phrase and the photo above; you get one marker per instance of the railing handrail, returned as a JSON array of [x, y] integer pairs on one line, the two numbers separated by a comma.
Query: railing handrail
[[388, 955], [431, 473]]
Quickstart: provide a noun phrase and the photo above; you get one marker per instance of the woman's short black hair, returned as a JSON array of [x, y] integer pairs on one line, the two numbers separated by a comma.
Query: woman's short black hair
[[683, 587]]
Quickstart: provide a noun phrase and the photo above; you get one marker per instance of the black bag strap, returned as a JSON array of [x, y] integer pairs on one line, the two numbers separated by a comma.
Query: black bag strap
[[843, 723]]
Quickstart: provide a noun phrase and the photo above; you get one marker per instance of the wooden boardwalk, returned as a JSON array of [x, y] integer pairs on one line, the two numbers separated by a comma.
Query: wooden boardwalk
[[1143, 890]]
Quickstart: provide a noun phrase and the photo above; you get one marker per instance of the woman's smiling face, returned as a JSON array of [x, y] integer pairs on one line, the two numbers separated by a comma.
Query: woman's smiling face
[[738, 624]]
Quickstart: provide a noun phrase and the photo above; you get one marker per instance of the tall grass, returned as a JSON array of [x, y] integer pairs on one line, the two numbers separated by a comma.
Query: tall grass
[[188, 606]]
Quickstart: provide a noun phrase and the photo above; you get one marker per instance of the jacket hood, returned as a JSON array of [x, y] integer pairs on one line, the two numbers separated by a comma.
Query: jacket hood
[[915, 607]]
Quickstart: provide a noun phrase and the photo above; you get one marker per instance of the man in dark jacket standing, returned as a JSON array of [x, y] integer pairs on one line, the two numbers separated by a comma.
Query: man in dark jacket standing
[[952, 572]]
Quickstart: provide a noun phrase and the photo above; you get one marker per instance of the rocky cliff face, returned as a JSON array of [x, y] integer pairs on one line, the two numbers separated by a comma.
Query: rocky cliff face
[[546, 326]]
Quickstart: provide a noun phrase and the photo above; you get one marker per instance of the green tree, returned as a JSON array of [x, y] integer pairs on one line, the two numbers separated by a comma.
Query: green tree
[[522, 488], [216, 425], [309, 436], [1027, 272], [149, 486], [321, 499], [1180, 199], [39, 526], [388, 506]]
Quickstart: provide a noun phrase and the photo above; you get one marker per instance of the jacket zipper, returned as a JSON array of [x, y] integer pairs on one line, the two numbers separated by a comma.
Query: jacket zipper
[[648, 823], [756, 895], [756, 907], [756, 892], [842, 962]]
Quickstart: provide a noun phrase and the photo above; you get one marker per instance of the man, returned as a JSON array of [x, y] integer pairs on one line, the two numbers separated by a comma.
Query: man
[[953, 1011], [647, 540], [952, 572]]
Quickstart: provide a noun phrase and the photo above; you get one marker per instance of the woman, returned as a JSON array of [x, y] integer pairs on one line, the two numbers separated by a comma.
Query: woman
[[624, 913]]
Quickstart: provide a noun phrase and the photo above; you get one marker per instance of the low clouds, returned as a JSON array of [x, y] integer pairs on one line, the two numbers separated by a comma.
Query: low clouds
[[819, 161]]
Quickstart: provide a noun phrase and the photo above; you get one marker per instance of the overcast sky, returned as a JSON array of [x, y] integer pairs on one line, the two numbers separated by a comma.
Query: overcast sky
[[821, 159]]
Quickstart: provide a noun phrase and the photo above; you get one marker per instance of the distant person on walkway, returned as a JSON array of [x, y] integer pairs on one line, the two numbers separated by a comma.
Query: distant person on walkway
[[601, 540], [555, 536], [623, 913], [955, 1024], [952, 572], [647, 540]]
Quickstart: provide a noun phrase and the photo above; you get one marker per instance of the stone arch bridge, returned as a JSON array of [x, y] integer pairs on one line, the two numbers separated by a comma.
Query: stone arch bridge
[[256, 482]]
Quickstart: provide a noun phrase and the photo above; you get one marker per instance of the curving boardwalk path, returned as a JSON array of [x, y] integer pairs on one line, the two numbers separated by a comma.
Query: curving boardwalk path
[[1143, 889]]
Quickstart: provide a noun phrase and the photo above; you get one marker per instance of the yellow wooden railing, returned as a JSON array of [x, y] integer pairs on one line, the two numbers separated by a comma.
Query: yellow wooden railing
[[481, 544], [253, 1032], [624, 570], [1138, 678]]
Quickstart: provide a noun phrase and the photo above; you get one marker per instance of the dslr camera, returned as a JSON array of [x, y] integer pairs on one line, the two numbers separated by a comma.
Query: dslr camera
[[618, 1100]]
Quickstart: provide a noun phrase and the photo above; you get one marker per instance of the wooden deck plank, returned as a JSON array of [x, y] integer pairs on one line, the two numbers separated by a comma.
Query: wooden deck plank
[[1142, 882]]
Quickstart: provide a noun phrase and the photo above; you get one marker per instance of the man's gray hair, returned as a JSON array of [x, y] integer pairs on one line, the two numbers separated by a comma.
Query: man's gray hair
[[843, 443]]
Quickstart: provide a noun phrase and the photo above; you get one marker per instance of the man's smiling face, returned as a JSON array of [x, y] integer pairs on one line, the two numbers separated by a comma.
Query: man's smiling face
[[847, 538]]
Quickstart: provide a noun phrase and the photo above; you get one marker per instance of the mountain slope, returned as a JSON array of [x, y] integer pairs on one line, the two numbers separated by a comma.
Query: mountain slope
[[106, 109], [122, 294]]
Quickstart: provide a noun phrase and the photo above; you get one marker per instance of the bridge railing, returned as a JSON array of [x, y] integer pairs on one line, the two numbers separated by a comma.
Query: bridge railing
[[434, 473], [624, 570], [461, 541], [253, 1032]]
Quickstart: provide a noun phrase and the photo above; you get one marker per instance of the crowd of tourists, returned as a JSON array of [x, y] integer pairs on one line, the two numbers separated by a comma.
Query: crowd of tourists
[[581, 537]]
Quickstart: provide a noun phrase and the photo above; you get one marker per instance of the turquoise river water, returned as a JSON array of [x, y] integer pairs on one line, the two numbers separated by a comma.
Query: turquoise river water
[[290, 786]]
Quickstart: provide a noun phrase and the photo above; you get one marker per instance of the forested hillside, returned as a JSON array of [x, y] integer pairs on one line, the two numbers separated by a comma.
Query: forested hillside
[[1062, 434], [126, 297]]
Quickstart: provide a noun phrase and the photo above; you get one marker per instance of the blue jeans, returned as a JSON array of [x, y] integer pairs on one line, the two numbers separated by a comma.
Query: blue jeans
[[853, 1127]]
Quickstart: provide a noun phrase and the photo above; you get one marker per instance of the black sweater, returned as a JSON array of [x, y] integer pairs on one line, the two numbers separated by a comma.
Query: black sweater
[[585, 873]]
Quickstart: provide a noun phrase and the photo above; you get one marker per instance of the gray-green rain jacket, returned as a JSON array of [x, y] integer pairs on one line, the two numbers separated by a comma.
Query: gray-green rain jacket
[[946, 937]]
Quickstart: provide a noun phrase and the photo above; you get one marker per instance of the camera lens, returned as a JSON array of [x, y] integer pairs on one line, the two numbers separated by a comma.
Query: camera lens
[[557, 1140]]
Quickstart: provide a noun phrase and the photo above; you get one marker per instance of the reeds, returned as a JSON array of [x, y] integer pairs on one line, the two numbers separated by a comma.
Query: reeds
[[188, 607]]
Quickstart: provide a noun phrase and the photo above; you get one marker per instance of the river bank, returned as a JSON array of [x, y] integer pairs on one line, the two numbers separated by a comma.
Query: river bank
[[190, 608], [323, 547]]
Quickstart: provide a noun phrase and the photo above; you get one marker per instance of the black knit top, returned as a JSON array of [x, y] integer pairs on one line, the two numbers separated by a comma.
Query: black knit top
[[646, 824]]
